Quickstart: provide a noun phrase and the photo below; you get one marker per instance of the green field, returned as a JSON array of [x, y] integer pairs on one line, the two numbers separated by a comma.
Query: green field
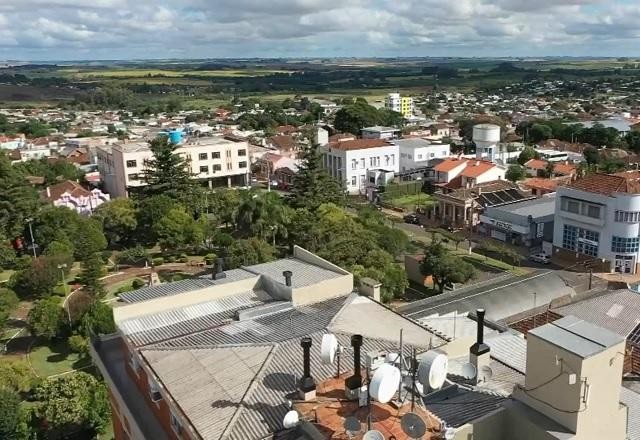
[[409, 202], [150, 73], [55, 358]]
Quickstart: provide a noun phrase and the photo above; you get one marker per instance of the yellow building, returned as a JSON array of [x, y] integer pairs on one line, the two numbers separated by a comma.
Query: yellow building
[[406, 106]]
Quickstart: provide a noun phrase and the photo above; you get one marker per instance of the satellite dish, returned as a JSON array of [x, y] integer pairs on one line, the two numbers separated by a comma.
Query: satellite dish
[[328, 348], [373, 435], [352, 425], [413, 425], [432, 370], [393, 358], [469, 371], [486, 373], [449, 434], [384, 383], [291, 419]]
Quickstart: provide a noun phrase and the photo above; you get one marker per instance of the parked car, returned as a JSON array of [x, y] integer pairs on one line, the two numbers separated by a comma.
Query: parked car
[[540, 258], [411, 219]]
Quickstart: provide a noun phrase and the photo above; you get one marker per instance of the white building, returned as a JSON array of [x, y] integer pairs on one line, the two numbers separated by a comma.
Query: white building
[[379, 132], [454, 173], [215, 161], [598, 218], [350, 161], [400, 104], [417, 153]]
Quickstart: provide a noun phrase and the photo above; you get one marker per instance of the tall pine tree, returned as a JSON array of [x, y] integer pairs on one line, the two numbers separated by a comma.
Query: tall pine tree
[[167, 173], [312, 185]]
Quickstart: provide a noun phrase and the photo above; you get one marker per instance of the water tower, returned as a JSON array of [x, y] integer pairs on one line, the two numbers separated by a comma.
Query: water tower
[[486, 138]]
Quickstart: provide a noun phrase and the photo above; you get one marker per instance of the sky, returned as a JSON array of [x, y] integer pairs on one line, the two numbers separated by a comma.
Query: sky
[[147, 29]]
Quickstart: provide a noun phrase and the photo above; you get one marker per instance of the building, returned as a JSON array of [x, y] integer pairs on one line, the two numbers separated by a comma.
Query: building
[[418, 153], [231, 354], [379, 132], [540, 186], [454, 173], [598, 218], [400, 104], [525, 223], [537, 167], [486, 137], [74, 196], [349, 161], [215, 161]]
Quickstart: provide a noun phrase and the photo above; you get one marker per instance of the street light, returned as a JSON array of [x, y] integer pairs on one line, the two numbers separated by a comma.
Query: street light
[[62, 267], [33, 243]]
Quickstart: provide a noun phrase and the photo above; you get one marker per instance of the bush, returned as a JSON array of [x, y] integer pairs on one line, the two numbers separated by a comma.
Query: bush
[[183, 258], [159, 261], [137, 283], [22, 263], [171, 259], [135, 255], [210, 258], [79, 344]]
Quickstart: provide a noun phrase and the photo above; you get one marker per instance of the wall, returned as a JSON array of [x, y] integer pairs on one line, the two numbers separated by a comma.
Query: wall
[[323, 290], [495, 173], [412, 267], [488, 427]]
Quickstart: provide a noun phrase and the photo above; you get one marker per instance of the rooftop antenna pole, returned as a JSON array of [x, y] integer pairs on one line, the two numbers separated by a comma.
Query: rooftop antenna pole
[[413, 380], [401, 359], [368, 401]]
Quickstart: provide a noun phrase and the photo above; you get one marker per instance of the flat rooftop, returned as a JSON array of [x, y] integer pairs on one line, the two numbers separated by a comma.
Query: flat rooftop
[[577, 336], [536, 208], [132, 147]]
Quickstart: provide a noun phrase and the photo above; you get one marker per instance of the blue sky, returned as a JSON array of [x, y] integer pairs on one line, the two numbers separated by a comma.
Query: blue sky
[[126, 29]]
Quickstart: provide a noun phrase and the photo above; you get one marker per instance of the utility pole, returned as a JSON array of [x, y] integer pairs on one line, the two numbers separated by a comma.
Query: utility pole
[[33, 243], [535, 297]]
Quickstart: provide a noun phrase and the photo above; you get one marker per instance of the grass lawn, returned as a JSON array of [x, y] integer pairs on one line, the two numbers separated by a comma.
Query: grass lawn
[[410, 201], [108, 433], [5, 275], [55, 358]]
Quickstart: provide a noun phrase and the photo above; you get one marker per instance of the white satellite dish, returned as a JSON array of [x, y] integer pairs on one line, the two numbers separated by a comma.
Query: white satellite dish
[[449, 434], [291, 419], [373, 435], [328, 348], [432, 370], [468, 371], [384, 384]]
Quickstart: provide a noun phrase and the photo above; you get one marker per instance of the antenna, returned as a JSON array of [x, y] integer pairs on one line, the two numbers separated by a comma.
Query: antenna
[[413, 425], [291, 419], [469, 371], [486, 373], [373, 435], [384, 383], [432, 370]]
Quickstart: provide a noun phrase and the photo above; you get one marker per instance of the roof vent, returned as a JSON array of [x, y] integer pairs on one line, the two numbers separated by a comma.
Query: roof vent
[[218, 272], [287, 274]]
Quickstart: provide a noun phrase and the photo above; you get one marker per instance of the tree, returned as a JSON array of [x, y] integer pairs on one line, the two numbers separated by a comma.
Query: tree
[[39, 279], [248, 252], [9, 413], [224, 204], [8, 303], [591, 155], [178, 229], [167, 173], [56, 223], [119, 221], [527, 154], [150, 211], [515, 173], [18, 199], [312, 185], [72, 403], [354, 117], [98, 320], [444, 267], [45, 318], [633, 141], [90, 277], [89, 238], [16, 375], [263, 215], [540, 132]]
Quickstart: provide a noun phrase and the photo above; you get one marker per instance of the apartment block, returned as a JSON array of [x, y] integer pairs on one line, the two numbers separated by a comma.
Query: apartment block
[[400, 104]]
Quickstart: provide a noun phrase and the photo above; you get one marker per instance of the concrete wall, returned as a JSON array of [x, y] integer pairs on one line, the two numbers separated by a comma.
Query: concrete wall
[[323, 290], [489, 427]]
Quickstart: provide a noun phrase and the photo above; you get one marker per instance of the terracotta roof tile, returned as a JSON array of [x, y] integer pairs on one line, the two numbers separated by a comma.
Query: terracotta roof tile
[[283, 142], [536, 164], [477, 168], [541, 183], [609, 184], [359, 144], [449, 165], [564, 168], [68, 186]]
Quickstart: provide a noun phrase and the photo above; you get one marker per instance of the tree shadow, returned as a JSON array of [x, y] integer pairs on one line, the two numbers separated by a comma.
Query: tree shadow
[[283, 382]]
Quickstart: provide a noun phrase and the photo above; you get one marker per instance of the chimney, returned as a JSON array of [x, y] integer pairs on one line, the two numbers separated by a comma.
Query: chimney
[[354, 382], [218, 272], [306, 386], [371, 288], [287, 277], [479, 352]]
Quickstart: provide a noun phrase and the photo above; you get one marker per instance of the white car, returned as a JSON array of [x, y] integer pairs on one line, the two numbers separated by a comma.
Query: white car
[[540, 258]]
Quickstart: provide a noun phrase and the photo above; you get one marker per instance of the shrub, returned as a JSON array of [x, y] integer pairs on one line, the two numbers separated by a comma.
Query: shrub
[[79, 344], [171, 259], [137, 283], [135, 255], [210, 258], [158, 261], [183, 258]]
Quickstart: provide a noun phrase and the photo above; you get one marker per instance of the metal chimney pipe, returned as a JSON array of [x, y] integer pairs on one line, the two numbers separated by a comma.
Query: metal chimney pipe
[[305, 343], [307, 386], [356, 343], [218, 273], [287, 277], [480, 333]]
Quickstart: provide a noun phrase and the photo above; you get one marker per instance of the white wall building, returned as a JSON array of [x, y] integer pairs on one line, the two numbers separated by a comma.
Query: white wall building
[[417, 153], [350, 161], [215, 161], [598, 217]]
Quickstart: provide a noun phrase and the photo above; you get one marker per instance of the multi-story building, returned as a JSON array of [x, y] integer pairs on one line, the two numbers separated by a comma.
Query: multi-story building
[[418, 153], [598, 218], [400, 104], [74, 196], [215, 161], [350, 161]]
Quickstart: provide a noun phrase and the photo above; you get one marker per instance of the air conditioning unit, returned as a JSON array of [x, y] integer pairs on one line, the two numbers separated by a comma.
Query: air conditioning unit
[[156, 396]]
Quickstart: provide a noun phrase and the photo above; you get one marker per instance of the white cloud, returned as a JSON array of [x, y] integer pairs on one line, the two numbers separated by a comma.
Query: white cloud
[[63, 29]]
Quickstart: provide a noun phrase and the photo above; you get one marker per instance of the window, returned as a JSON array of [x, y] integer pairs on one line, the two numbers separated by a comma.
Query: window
[[573, 206], [175, 424], [132, 164], [580, 240], [229, 166], [593, 211], [354, 181], [154, 390], [242, 152], [202, 156], [216, 167], [215, 155], [242, 164], [625, 245], [393, 159], [581, 207], [627, 216], [204, 169], [133, 176], [354, 164], [228, 154], [386, 160], [431, 154], [372, 161], [409, 156], [419, 156], [362, 163]]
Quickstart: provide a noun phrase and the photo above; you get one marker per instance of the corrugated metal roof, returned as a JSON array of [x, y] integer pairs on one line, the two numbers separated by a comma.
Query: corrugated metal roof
[[304, 274], [182, 321], [166, 289], [632, 400], [509, 349], [617, 311], [464, 406]]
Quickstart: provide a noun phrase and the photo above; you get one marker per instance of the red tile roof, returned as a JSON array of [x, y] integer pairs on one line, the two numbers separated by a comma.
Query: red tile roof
[[68, 186], [286, 129], [283, 142], [449, 165], [341, 137], [564, 169], [477, 168], [541, 183], [536, 164], [608, 184], [359, 144]]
